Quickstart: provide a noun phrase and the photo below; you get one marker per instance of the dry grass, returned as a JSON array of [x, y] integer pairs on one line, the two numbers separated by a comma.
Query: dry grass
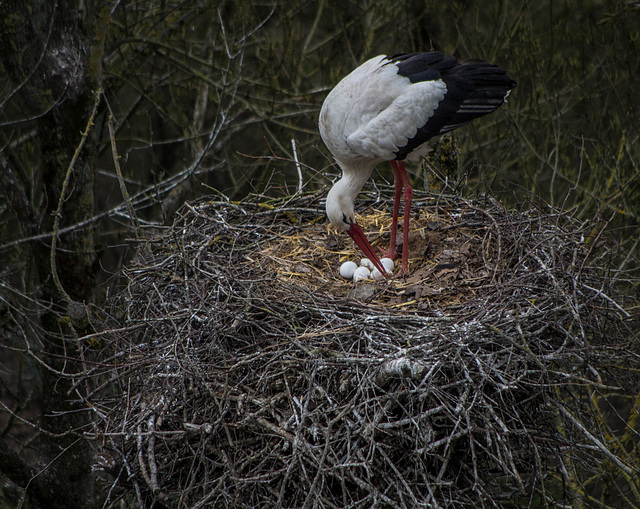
[[248, 374]]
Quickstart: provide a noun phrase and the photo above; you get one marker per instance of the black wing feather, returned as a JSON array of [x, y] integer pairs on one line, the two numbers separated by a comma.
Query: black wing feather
[[474, 89]]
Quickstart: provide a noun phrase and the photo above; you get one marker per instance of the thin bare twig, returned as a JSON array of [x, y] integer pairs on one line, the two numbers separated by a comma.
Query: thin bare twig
[[63, 196]]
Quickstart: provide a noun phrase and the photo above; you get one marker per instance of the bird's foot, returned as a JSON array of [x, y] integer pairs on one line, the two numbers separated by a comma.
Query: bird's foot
[[388, 253], [393, 254]]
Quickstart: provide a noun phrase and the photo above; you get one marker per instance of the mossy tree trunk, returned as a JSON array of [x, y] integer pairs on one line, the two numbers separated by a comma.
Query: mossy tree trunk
[[51, 53]]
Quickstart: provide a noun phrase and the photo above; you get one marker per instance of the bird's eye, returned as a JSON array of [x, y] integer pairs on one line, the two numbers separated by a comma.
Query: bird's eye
[[344, 219]]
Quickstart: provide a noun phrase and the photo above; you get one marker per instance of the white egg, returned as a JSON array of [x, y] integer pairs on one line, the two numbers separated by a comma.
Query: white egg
[[376, 274], [388, 264], [365, 262], [361, 273], [347, 269]]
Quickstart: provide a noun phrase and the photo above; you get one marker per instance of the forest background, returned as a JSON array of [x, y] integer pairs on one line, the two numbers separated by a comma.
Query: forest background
[[113, 114]]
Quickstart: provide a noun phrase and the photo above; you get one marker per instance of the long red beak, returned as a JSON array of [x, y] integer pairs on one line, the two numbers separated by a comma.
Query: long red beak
[[356, 233]]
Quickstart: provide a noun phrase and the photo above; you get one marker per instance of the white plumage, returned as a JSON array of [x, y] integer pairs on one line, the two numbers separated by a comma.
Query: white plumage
[[365, 104], [386, 110]]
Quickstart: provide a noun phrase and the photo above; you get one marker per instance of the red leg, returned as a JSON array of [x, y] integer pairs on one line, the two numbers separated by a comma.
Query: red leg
[[408, 197], [397, 180], [402, 186]]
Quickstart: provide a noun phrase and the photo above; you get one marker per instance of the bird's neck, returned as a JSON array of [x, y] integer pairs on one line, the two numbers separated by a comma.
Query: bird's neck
[[342, 195], [353, 179]]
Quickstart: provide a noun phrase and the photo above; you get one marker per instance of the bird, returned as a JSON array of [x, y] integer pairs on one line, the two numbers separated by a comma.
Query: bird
[[386, 110]]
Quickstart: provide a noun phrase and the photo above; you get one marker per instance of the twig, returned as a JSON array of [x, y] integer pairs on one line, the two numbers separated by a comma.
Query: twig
[[123, 187], [625, 468], [63, 196], [298, 167]]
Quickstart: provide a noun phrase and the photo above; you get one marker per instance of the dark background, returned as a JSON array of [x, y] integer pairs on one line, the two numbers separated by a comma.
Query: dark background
[[192, 98]]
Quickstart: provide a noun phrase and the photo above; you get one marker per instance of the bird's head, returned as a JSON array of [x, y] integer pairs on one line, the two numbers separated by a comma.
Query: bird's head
[[341, 214], [340, 208]]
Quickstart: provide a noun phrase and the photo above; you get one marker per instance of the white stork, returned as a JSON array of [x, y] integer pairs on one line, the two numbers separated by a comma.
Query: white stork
[[386, 110]]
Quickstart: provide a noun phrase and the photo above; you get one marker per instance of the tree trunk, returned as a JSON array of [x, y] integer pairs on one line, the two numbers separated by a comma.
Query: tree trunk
[[53, 62]]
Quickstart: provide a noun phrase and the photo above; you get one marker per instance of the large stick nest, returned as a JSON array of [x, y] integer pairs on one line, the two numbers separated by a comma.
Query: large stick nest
[[247, 373]]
